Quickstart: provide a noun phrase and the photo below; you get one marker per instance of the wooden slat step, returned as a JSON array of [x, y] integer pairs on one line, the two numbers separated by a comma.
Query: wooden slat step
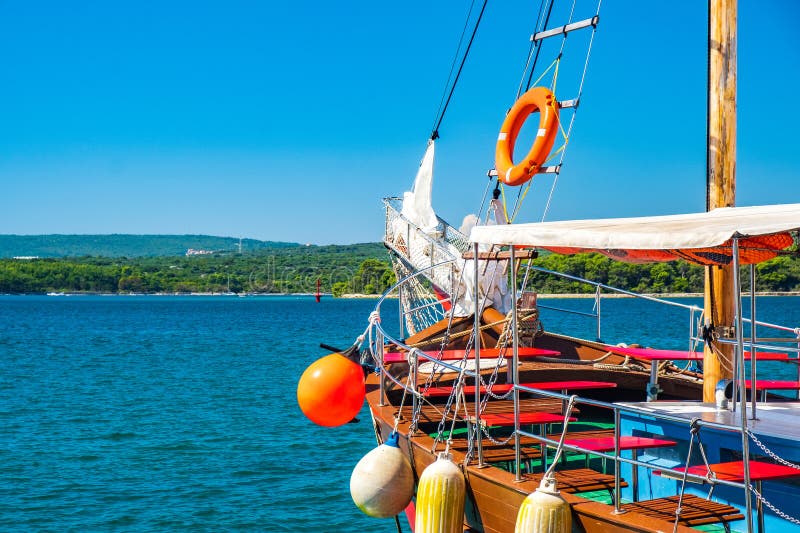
[[695, 511], [494, 453], [433, 413], [581, 480]]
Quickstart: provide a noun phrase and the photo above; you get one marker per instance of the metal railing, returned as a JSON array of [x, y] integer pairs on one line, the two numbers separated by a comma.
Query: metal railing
[[381, 338]]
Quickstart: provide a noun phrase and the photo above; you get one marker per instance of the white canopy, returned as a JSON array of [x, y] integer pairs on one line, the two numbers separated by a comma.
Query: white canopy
[[632, 238]]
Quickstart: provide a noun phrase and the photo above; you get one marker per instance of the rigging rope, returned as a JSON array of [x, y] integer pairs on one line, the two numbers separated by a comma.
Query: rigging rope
[[575, 112], [536, 45], [550, 474], [455, 56], [694, 429], [443, 109]]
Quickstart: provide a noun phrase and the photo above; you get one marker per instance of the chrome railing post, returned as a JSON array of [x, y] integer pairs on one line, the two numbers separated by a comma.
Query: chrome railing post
[[400, 312], [737, 290], [515, 368], [379, 346], [753, 339], [597, 306], [797, 336], [414, 380], [476, 327], [617, 474]]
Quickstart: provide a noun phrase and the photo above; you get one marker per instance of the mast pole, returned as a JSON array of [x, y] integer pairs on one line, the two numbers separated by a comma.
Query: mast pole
[[720, 182]]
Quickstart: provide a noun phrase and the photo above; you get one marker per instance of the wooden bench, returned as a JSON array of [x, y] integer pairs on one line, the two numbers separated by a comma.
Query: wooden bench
[[433, 413], [502, 388], [627, 442], [457, 355], [525, 418], [764, 385], [695, 511], [652, 354]]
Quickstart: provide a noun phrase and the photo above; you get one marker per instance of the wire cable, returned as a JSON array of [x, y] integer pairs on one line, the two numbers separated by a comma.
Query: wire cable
[[538, 48], [438, 122], [455, 57]]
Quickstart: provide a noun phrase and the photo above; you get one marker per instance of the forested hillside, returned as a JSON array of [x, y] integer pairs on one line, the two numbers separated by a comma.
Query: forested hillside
[[125, 245], [358, 268]]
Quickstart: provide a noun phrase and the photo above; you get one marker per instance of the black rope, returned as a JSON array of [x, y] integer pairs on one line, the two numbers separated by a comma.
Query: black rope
[[455, 57], [435, 132], [538, 46]]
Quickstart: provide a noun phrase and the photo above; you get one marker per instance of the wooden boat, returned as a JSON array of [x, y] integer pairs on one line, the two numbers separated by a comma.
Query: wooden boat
[[635, 439], [512, 409]]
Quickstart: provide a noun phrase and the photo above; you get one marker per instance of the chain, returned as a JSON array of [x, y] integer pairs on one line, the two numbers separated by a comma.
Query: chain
[[459, 396], [412, 365], [769, 452], [454, 394], [696, 432], [494, 440], [492, 381], [430, 379], [774, 509]]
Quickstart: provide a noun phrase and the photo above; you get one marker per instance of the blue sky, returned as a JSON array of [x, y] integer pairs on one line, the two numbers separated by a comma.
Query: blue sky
[[290, 120]]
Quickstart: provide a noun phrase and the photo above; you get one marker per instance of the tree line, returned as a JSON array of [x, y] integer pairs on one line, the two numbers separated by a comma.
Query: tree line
[[347, 269], [342, 269], [123, 245]]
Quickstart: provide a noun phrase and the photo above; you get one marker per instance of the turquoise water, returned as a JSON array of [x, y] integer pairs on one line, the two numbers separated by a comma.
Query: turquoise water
[[179, 413]]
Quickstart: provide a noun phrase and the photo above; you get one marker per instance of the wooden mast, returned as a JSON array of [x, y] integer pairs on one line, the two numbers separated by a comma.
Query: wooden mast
[[721, 180]]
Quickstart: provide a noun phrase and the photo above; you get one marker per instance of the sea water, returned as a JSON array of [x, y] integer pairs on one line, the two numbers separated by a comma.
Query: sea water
[[130, 413]]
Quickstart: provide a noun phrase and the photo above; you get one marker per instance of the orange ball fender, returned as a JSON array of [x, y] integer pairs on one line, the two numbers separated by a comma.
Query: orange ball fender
[[535, 99], [331, 390]]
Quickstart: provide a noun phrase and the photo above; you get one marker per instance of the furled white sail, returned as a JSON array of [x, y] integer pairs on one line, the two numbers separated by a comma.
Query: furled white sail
[[492, 282], [428, 244], [417, 206]]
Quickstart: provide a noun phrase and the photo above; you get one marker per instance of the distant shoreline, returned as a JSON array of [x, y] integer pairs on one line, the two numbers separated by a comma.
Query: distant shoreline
[[359, 296]]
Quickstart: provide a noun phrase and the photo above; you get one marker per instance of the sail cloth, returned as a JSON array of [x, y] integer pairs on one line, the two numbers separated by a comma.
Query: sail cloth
[[417, 205], [420, 238], [492, 275], [704, 238]]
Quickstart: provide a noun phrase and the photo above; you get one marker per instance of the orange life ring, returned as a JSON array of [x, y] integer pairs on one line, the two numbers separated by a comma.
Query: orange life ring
[[535, 99]]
